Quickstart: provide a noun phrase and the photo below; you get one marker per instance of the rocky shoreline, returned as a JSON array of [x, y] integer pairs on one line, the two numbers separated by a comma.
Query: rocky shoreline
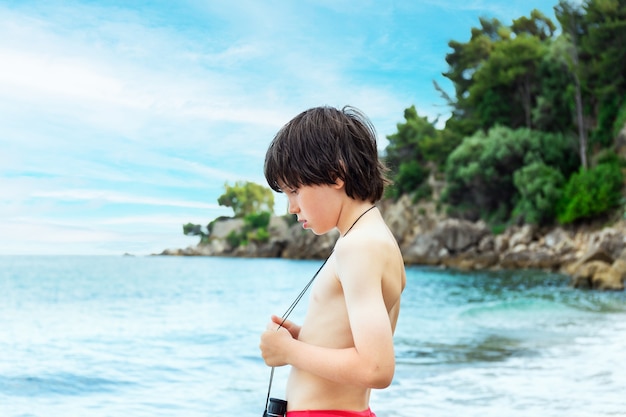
[[594, 258]]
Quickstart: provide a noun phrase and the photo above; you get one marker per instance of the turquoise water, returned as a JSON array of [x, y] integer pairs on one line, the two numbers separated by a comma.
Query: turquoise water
[[168, 336]]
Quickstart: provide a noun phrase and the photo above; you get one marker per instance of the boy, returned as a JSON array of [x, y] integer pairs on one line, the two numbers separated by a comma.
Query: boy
[[326, 161]]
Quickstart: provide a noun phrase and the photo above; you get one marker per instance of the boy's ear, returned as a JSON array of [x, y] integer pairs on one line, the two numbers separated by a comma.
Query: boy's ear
[[339, 183]]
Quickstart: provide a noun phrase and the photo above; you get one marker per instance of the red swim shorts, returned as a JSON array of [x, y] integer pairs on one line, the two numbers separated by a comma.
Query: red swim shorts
[[330, 413]]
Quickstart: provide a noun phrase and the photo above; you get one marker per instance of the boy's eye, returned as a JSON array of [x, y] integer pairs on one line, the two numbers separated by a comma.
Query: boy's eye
[[289, 190]]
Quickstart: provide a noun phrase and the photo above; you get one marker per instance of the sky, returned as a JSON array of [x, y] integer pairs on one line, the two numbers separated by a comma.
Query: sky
[[120, 121]]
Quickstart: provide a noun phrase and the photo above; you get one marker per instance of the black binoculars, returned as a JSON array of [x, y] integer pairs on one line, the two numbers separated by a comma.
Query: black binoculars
[[275, 408]]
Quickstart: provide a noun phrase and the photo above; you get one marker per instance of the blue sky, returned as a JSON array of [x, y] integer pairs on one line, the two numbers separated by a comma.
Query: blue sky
[[122, 120]]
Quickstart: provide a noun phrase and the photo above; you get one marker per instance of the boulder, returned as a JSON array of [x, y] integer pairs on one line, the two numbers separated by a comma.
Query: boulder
[[271, 249], [214, 247], [525, 258], [559, 241], [407, 220], [590, 256], [501, 243], [398, 218], [607, 279], [582, 276], [172, 252], [471, 260], [523, 236], [485, 260], [224, 227], [425, 250], [486, 244], [612, 279], [620, 266], [459, 235], [608, 240]]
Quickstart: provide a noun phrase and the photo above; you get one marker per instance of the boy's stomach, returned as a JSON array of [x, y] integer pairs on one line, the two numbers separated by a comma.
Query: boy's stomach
[[306, 391]]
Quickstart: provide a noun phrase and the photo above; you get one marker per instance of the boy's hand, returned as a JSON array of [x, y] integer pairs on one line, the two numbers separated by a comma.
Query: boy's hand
[[293, 328], [274, 342]]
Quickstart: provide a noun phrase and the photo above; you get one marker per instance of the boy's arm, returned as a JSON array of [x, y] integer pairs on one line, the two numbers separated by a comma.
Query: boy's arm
[[371, 361]]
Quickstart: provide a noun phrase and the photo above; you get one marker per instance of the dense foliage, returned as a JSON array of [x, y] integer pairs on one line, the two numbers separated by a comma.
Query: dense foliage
[[480, 171], [414, 151], [540, 190], [591, 192], [255, 229], [533, 105]]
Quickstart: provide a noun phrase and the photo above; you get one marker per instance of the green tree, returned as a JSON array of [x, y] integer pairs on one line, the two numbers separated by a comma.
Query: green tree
[[408, 151], [540, 189], [496, 74], [463, 62], [538, 26], [603, 54], [247, 198], [555, 106], [480, 171], [508, 80], [191, 229]]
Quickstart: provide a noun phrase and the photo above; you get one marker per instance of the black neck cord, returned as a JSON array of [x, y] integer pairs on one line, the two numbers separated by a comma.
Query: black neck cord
[[299, 297]]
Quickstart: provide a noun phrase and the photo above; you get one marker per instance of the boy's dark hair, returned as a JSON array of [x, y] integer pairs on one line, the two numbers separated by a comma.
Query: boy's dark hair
[[323, 144]]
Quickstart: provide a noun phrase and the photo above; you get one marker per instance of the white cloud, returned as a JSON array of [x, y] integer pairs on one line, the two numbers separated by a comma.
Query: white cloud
[[48, 74], [116, 197]]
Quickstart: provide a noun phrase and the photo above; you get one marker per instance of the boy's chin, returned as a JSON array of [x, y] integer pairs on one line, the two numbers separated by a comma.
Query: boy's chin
[[318, 232]]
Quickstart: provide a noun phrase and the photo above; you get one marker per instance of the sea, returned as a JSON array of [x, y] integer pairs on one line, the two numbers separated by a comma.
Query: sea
[[139, 336]]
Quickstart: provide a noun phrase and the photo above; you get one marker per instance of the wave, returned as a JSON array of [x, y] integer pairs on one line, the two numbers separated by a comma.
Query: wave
[[58, 384]]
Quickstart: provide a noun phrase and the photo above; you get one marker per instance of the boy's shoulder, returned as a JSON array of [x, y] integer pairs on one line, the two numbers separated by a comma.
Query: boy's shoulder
[[372, 238]]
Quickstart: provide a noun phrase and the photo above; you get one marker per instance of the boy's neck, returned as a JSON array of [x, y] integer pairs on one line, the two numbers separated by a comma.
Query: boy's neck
[[352, 215]]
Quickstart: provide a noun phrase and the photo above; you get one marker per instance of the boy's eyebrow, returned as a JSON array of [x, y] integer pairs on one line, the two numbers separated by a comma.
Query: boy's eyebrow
[[282, 186]]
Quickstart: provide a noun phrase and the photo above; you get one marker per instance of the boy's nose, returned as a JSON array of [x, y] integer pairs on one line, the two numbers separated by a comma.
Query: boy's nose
[[293, 208]]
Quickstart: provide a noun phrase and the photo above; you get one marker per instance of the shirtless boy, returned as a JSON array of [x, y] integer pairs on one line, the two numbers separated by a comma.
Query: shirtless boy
[[326, 162]]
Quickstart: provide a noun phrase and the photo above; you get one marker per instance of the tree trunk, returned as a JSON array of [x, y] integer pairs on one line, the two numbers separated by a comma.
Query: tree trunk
[[582, 131], [525, 93]]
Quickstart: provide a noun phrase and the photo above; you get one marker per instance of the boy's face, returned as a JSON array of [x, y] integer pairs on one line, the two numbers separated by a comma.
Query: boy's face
[[317, 207]]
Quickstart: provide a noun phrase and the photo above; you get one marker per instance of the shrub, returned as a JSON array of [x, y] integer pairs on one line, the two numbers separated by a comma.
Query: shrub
[[591, 192], [260, 235], [480, 171], [234, 239], [257, 220], [255, 229], [540, 189]]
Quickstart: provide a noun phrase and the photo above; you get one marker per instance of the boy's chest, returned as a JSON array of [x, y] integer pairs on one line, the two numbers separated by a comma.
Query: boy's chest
[[327, 296], [326, 322]]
